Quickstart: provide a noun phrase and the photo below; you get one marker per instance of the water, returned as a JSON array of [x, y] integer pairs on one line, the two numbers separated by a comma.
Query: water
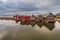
[[9, 30]]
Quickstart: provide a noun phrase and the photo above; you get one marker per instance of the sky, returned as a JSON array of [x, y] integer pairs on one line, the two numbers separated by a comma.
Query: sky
[[13, 6]]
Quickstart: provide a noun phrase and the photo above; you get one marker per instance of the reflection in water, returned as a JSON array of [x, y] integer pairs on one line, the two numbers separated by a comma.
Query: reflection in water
[[57, 25], [40, 24], [26, 32], [50, 26], [32, 23]]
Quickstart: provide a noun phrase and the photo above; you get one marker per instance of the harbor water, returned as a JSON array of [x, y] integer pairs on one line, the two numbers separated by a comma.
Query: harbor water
[[9, 30]]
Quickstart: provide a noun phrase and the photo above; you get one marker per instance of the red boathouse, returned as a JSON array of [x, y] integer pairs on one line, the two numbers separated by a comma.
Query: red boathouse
[[22, 18]]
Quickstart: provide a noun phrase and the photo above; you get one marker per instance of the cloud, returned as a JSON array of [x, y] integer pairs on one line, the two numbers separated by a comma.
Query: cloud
[[7, 6], [45, 3], [38, 3], [55, 9]]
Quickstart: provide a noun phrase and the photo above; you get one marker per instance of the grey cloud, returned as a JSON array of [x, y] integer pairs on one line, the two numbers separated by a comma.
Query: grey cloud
[[11, 6]]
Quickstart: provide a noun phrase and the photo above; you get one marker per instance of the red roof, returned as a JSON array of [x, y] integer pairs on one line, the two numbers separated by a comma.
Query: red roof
[[23, 17], [27, 18], [18, 17]]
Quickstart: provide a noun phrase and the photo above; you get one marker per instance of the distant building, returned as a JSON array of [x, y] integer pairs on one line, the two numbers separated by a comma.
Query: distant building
[[57, 17], [50, 18], [27, 18], [33, 18], [40, 18]]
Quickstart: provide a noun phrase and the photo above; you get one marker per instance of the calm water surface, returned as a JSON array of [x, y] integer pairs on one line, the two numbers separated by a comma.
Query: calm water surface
[[9, 30]]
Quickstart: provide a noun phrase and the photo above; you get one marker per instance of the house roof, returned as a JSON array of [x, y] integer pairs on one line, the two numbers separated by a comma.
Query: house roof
[[45, 15], [50, 14]]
